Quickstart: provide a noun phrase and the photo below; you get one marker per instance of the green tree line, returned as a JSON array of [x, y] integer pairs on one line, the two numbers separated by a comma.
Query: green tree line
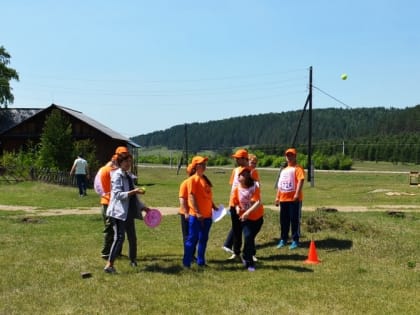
[[372, 134]]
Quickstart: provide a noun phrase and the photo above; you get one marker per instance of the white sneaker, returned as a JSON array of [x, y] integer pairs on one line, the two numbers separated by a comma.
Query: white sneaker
[[227, 250], [254, 258], [232, 257]]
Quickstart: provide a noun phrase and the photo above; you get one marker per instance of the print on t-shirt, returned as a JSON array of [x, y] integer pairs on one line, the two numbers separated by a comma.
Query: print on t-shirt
[[287, 180]]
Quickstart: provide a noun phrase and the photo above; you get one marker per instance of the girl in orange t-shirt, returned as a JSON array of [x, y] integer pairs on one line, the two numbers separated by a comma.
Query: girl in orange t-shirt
[[200, 204], [248, 206], [183, 203]]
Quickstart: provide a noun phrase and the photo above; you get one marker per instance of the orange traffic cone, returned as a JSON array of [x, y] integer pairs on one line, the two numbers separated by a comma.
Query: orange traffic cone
[[312, 256]]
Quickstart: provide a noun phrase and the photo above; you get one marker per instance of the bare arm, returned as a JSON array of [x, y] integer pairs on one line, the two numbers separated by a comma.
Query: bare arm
[[298, 190], [184, 205], [254, 206]]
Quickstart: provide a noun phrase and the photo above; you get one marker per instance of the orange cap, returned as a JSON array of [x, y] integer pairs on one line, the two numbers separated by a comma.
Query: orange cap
[[291, 151], [198, 160], [241, 153], [121, 150]]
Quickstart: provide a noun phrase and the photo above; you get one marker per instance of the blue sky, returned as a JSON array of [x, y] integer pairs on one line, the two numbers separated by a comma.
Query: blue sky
[[142, 66]]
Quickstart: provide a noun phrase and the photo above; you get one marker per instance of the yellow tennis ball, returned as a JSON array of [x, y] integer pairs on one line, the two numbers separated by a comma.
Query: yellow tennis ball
[[344, 76]]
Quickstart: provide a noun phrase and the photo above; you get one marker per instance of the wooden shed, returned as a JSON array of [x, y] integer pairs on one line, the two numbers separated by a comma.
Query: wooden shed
[[19, 126]]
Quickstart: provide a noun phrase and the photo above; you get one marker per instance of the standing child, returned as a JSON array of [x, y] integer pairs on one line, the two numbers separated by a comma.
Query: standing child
[[253, 161], [289, 197], [183, 203], [200, 204], [233, 242], [248, 206]]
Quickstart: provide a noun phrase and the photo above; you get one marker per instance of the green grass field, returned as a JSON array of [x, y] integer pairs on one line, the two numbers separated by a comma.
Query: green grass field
[[369, 260]]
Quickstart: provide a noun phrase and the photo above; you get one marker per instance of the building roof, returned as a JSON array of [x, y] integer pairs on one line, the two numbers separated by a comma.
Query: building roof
[[10, 117], [97, 125]]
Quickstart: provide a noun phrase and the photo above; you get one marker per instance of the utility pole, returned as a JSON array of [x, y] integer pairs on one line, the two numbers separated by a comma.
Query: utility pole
[[184, 156], [310, 127], [186, 144]]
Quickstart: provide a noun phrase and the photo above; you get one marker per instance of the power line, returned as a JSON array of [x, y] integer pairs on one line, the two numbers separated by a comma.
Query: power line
[[334, 98]]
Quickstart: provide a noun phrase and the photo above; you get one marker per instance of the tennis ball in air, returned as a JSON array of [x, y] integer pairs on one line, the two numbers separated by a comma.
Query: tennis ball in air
[[344, 76]]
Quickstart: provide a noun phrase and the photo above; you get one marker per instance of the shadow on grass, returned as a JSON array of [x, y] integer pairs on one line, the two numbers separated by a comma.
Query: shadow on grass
[[259, 266], [328, 244], [173, 265], [173, 269], [273, 243], [168, 264]]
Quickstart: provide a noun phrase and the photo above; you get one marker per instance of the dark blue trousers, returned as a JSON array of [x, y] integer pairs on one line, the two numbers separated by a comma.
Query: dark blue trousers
[[250, 230], [290, 216], [81, 183]]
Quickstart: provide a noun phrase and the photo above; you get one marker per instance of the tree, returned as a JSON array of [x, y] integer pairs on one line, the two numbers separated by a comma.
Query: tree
[[56, 146], [6, 74]]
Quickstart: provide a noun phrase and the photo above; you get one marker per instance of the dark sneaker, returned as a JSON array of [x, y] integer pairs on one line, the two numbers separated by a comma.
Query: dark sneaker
[[133, 263], [110, 270]]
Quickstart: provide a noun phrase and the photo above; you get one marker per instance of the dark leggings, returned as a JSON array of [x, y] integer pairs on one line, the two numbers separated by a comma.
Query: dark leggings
[[120, 228]]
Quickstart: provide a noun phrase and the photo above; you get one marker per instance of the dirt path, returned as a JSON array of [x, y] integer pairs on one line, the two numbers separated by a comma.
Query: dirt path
[[51, 212], [172, 210]]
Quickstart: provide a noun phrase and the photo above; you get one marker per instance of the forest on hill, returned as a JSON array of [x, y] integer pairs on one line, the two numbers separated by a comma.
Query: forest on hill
[[374, 134]]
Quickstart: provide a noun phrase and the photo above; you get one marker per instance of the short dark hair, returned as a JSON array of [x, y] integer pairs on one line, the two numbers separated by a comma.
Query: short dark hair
[[123, 157], [249, 181]]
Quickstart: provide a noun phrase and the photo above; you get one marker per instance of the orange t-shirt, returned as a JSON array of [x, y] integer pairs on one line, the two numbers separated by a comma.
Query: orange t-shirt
[[288, 181], [255, 175], [106, 183], [245, 198], [183, 193], [234, 181], [201, 191]]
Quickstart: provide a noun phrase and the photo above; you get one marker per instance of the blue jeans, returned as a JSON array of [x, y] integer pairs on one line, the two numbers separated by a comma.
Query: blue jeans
[[198, 231], [250, 230], [290, 216]]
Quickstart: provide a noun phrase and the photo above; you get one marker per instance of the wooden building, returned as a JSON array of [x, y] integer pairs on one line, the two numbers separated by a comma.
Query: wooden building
[[19, 126]]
